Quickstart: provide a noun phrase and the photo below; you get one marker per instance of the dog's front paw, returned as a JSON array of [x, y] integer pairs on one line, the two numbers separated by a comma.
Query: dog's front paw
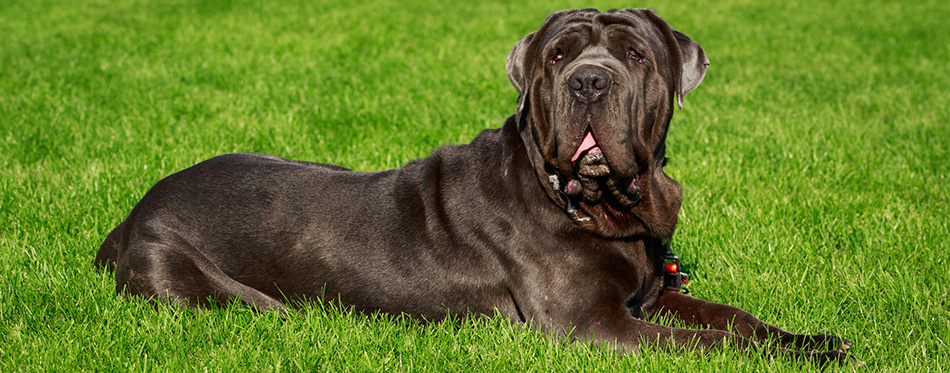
[[821, 342]]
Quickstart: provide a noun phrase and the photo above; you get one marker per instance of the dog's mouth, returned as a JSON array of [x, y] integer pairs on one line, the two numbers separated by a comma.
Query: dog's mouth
[[594, 183], [593, 164]]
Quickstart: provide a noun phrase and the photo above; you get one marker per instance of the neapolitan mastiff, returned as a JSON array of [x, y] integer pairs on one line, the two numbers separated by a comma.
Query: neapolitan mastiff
[[561, 217]]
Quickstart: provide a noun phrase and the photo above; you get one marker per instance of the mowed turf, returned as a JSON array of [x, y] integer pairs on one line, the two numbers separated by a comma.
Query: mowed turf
[[813, 158]]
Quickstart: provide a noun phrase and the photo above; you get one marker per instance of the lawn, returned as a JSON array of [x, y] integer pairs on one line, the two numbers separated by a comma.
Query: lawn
[[814, 159]]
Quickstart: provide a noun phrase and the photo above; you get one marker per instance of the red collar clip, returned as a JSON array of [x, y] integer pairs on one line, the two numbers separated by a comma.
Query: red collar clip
[[673, 279]]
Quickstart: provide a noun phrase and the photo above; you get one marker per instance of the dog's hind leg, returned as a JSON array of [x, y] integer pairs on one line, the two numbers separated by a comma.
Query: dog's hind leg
[[181, 275], [108, 252]]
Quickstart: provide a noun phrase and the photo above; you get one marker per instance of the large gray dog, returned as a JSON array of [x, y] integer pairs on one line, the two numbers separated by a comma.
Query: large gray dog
[[560, 217]]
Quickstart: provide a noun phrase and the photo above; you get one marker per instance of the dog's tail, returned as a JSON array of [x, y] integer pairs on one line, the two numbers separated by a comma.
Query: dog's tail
[[109, 250]]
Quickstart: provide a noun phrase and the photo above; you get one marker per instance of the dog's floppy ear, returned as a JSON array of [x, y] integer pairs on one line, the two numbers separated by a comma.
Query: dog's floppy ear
[[688, 54], [695, 64], [515, 64]]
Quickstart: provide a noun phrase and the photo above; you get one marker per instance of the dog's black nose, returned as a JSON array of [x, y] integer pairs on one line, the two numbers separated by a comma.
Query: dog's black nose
[[588, 85]]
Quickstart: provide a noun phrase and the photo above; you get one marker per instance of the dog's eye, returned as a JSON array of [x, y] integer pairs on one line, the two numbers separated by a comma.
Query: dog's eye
[[634, 55], [558, 55]]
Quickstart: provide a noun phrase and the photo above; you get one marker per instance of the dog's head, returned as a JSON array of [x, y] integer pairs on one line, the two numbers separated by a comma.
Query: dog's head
[[597, 95]]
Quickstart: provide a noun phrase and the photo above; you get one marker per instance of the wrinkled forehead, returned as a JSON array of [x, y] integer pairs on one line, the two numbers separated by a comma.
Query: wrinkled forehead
[[591, 27]]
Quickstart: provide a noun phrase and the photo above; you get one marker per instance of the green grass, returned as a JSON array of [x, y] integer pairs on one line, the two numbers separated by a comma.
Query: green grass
[[814, 162]]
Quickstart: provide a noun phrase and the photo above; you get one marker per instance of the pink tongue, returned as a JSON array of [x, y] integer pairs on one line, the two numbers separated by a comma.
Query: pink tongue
[[585, 145]]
